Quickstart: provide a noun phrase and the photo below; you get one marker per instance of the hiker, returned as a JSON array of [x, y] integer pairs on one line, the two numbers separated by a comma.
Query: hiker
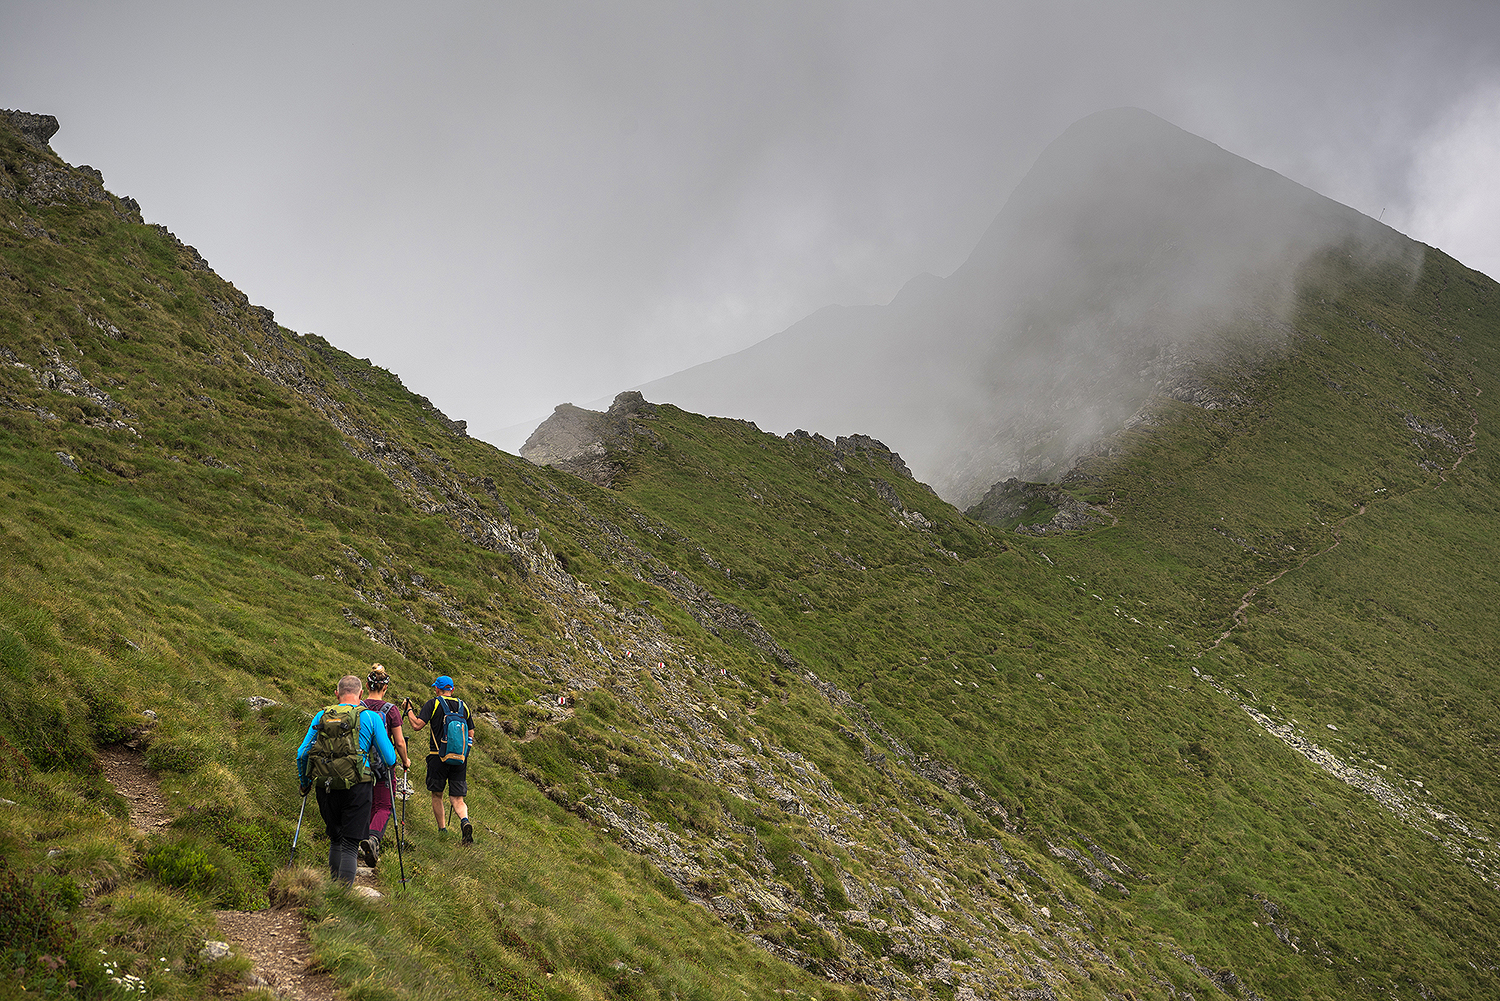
[[335, 756], [446, 761], [381, 804]]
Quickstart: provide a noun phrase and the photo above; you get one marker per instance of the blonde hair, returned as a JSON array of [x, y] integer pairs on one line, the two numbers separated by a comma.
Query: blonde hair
[[378, 678]]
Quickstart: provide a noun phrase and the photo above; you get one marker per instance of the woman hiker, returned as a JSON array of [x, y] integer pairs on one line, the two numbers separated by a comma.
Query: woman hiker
[[381, 805]]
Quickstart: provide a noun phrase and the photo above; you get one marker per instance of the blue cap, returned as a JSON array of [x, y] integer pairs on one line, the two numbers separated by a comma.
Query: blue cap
[[444, 682]]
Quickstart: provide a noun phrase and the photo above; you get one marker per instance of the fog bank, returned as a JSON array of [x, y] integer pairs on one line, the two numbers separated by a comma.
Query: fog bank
[[1132, 253]]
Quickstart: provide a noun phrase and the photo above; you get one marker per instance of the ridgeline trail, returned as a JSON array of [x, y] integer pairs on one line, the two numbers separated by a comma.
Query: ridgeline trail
[[1240, 617]]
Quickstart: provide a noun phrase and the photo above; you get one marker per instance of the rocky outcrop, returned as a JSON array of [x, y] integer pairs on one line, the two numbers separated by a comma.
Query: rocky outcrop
[[579, 441], [856, 444], [37, 130], [46, 181], [1035, 509]]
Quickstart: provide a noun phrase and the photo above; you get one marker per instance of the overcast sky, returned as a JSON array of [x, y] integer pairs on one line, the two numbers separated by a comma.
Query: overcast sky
[[513, 205]]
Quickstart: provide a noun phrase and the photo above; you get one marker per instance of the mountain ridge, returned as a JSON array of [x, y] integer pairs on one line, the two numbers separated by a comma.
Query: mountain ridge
[[764, 716], [1054, 310]]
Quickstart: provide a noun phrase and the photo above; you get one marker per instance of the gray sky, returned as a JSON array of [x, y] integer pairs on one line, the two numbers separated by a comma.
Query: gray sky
[[513, 205]]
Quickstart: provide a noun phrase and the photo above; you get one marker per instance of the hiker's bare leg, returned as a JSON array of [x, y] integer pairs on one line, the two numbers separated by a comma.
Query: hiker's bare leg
[[437, 809], [459, 809]]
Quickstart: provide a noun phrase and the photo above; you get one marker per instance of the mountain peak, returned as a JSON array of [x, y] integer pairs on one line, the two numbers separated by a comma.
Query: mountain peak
[[1121, 265]]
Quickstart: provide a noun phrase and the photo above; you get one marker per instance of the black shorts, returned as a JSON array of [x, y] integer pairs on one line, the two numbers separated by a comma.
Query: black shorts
[[454, 774]]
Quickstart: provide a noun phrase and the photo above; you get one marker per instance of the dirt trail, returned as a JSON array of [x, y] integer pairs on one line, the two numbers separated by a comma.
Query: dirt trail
[[125, 769], [274, 940], [1241, 614]]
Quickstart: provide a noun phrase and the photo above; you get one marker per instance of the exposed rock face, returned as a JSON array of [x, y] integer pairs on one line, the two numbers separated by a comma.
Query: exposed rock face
[[48, 181], [854, 444], [578, 441], [35, 129], [1037, 508]]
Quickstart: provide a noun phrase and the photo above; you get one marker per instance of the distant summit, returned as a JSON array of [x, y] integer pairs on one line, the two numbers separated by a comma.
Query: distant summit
[[1131, 255]]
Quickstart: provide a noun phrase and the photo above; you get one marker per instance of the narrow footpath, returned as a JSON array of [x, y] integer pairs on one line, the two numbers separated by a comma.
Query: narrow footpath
[[275, 940]]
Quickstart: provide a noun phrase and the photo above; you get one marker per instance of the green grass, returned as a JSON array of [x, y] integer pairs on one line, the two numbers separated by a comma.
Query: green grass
[[1386, 639], [1003, 706]]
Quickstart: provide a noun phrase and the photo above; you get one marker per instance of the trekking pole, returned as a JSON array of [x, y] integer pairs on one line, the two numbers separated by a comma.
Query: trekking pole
[[390, 778], [298, 833], [405, 795]]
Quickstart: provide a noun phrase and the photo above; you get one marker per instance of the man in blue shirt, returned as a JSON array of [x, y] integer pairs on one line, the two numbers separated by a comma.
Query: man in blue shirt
[[345, 804]]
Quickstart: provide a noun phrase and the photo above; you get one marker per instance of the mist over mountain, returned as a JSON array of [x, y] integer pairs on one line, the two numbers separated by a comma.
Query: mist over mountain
[[756, 716], [1132, 255]]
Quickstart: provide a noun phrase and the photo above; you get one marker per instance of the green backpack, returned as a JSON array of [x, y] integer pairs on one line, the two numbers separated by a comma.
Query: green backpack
[[335, 758]]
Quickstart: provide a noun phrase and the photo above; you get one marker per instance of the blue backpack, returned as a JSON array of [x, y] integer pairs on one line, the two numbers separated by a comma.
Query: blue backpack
[[453, 744]]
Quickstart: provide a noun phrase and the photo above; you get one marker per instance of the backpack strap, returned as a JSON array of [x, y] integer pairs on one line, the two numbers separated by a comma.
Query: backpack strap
[[385, 714], [354, 721], [440, 742]]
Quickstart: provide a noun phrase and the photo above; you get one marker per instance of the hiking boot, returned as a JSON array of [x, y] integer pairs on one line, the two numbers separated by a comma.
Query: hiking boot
[[468, 830], [369, 850]]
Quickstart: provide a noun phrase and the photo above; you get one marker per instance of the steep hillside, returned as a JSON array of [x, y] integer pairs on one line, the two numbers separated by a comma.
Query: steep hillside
[[1315, 548], [764, 716]]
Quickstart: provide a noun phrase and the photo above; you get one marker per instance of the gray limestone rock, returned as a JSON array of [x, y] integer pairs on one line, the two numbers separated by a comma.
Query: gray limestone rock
[[578, 441], [856, 444], [1035, 508], [36, 129]]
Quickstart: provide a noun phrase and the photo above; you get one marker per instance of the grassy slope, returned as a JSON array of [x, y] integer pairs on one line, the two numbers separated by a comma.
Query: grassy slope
[[218, 551], [1385, 636], [238, 545]]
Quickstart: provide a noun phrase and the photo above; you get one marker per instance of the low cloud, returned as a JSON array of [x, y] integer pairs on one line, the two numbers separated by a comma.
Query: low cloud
[[1454, 179]]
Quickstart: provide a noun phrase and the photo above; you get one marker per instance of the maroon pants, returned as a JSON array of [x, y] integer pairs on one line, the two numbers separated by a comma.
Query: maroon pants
[[380, 808]]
